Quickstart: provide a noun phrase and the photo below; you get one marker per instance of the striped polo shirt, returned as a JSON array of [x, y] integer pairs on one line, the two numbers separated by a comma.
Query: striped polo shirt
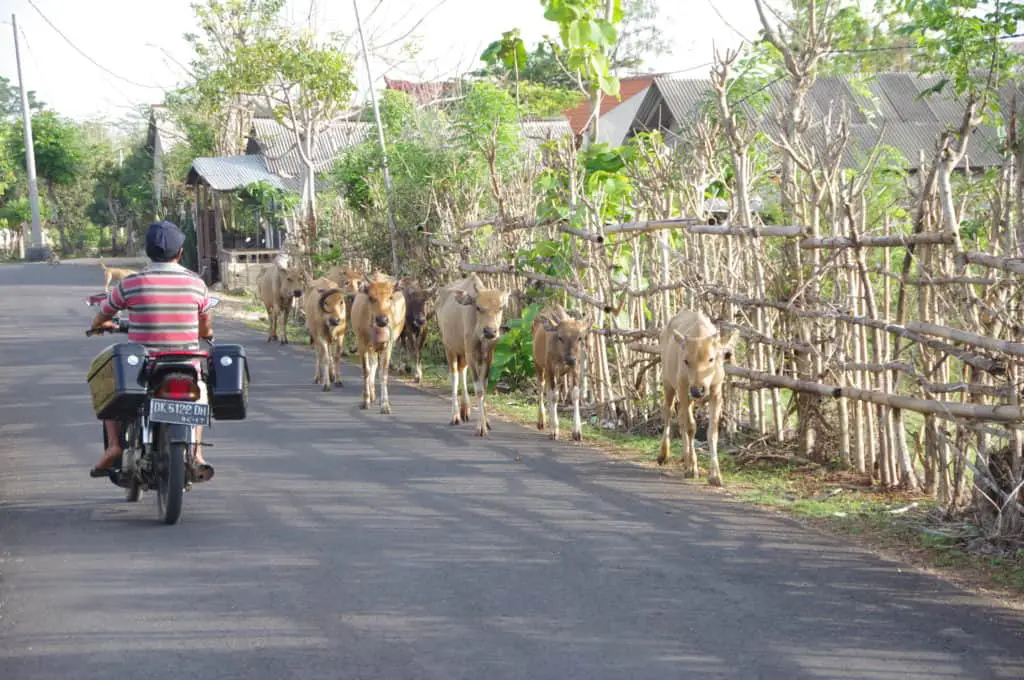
[[164, 302]]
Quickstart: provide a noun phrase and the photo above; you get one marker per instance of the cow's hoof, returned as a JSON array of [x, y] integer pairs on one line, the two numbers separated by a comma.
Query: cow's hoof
[[365, 405], [689, 474], [327, 387], [481, 432], [577, 436], [338, 383], [455, 421], [553, 436], [540, 425], [284, 342], [715, 481], [418, 379], [385, 409]]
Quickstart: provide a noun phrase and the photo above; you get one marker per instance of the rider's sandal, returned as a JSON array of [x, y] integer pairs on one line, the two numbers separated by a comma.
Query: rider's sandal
[[101, 472], [203, 472]]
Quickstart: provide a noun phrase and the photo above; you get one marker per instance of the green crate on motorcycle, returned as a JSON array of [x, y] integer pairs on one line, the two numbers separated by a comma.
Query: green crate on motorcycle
[[117, 391]]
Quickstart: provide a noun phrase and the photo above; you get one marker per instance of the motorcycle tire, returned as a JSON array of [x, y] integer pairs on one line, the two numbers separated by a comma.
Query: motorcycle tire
[[170, 468]]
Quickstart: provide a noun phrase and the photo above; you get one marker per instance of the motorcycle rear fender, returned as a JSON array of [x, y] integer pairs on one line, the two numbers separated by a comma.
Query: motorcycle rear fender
[[178, 433]]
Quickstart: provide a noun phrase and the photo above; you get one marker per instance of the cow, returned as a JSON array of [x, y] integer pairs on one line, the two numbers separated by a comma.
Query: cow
[[278, 287], [349, 280], [558, 344], [378, 318], [418, 305], [469, 316], [324, 305], [692, 358]]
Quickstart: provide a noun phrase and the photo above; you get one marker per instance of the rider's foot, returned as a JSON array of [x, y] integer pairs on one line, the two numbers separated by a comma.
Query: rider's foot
[[106, 464]]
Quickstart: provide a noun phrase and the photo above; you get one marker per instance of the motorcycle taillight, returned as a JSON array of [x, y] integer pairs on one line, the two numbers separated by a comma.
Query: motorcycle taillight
[[178, 388]]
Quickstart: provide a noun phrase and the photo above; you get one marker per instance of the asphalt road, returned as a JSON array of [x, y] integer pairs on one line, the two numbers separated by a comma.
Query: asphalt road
[[343, 544]]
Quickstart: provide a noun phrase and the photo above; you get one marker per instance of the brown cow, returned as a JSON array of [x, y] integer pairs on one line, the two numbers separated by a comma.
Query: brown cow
[[324, 304], [692, 360], [469, 317], [278, 287], [348, 280], [558, 343], [419, 303], [378, 317]]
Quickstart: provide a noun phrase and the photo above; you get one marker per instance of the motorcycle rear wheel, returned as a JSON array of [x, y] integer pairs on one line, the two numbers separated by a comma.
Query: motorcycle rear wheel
[[169, 460]]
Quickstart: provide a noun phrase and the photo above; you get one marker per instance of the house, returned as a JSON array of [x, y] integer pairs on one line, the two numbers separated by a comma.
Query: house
[[629, 88], [424, 94], [887, 108]]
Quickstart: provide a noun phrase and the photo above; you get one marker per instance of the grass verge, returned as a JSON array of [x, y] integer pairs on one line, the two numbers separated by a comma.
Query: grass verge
[[909, 528]]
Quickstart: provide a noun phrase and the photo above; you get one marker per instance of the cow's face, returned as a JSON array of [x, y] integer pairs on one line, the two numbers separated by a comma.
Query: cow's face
[[490, 306], [381, 294], [419, 306], [702, 359], [567, 339], [332, 305], [350, 281], [293, 282]]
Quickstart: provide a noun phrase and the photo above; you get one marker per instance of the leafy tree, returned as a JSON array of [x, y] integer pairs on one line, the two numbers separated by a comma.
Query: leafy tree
[[640, 36], [60, 154], [10, 100]]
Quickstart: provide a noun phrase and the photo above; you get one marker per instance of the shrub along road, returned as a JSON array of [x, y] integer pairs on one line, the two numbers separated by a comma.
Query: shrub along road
[[340, 543]]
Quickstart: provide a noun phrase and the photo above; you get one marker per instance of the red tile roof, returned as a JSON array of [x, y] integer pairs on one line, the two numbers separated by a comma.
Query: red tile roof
[[628, 87], [422, 93]]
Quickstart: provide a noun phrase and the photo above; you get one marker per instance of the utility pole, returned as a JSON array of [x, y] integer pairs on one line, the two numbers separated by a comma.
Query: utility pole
[[37, 252], [383, 147]]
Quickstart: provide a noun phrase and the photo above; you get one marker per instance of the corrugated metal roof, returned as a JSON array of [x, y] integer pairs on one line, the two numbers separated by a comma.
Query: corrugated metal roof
[[229, 173], [277, 145], [911, 123]]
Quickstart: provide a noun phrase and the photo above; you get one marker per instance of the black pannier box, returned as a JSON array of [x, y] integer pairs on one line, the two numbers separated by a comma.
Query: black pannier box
[[117, 393], [229, 382]]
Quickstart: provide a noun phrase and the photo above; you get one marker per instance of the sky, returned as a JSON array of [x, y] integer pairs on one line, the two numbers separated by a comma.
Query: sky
[[118, 54]]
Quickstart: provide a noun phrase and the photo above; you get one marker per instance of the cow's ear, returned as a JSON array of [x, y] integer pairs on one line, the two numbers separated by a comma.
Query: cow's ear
[[680, 338], [463, 298], [728, 346], [549, 325], [504, 298]]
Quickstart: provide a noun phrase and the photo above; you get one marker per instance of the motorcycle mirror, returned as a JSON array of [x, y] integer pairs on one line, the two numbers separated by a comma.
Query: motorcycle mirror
[[214, 301]]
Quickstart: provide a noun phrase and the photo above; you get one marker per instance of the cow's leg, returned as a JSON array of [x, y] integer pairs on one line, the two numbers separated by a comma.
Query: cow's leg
[[464, 408], [318, 371], [367, 398], [541, 404], [323, 351], [284, 322], [480, 387], [577, 425], [418, 356], [272, 323], [385, 365], [336, 343], [688, 428], [714, 415], [453, 369], [374, 364], [552, 389], [668, 396]]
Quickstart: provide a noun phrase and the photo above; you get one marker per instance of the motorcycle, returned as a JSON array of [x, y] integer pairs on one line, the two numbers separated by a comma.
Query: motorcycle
[[153, 393]]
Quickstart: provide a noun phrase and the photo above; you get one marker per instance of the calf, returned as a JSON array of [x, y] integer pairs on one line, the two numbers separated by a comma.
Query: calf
[[692, 358], [418, 309], [558, 342], [469, 317], [378, 318], [324, 305], [278, 287], [349, 280]]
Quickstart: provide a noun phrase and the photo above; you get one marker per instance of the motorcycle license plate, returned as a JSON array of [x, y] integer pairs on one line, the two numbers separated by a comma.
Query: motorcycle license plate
[[178, 412]]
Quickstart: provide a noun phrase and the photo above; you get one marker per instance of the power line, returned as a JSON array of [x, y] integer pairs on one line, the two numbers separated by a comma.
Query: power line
[[90, 59]]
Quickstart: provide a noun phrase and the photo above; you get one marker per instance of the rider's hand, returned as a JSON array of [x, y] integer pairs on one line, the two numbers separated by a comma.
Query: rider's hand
[[109, 325]]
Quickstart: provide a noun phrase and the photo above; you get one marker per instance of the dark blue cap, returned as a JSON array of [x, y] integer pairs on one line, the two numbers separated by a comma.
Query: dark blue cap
[[163, 241]]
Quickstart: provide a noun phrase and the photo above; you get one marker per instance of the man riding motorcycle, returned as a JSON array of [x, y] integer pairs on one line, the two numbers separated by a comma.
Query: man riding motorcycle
[[168, 309]]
